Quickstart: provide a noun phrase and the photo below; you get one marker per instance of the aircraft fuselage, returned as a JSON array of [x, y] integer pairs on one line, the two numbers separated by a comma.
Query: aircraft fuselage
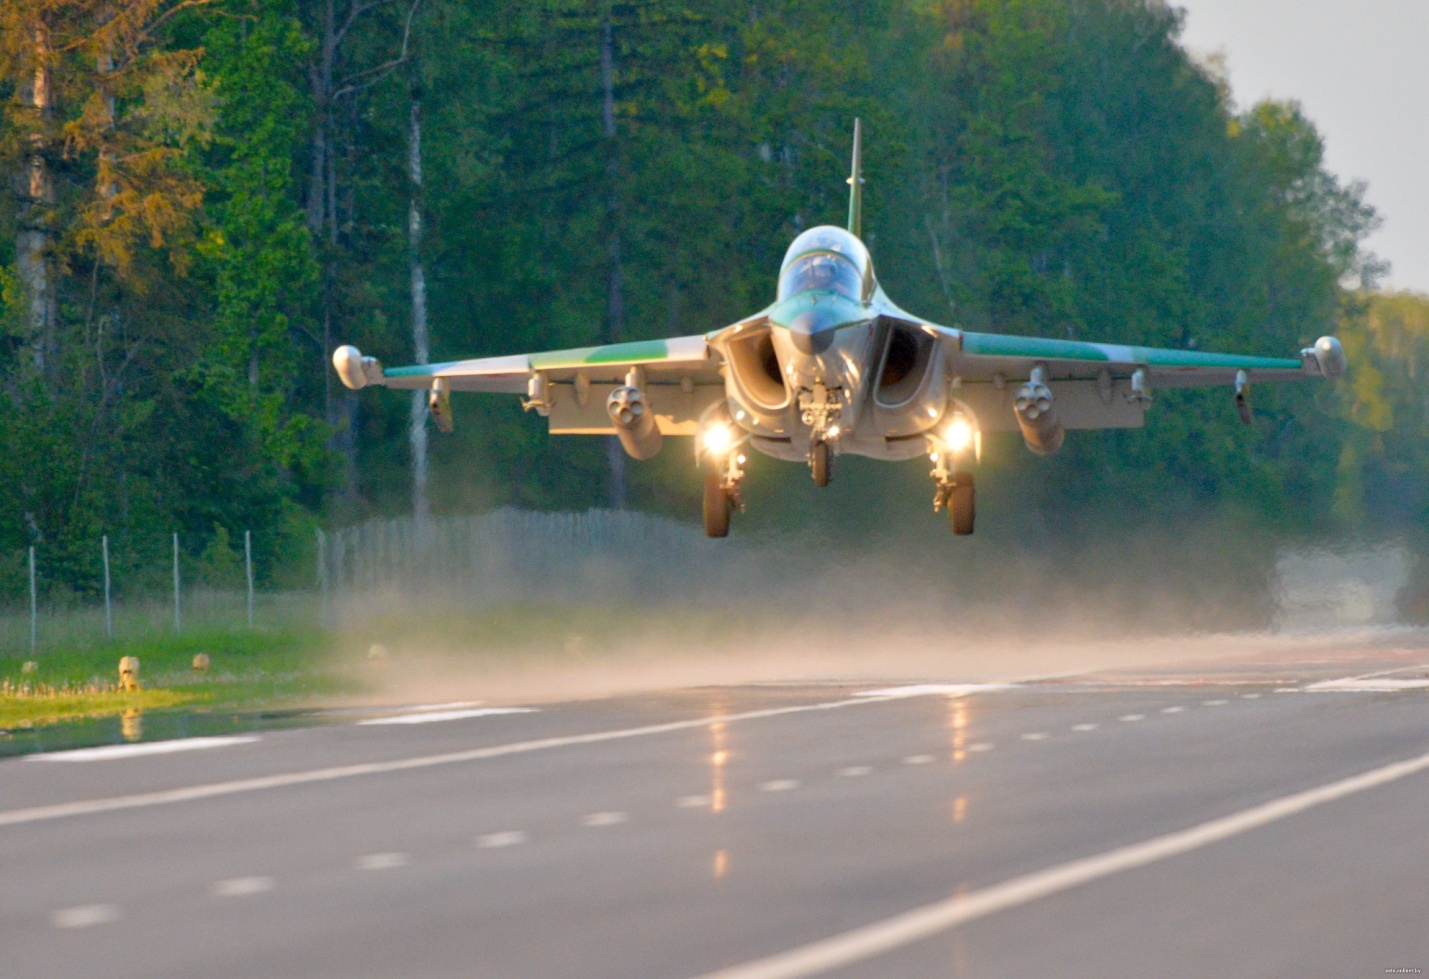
[[832, 360]]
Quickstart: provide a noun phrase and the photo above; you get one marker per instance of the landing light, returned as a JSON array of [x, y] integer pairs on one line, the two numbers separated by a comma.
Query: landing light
[[717, 438], [959, 435]]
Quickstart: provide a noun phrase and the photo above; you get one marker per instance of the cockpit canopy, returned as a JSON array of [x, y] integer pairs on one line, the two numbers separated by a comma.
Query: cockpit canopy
[[826, 258]]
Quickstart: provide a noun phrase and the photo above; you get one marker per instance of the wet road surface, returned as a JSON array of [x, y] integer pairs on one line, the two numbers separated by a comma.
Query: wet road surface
[[1239, 819]]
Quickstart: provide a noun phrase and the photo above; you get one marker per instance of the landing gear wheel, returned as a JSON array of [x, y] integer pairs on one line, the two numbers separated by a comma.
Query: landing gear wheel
[[962, 503], [821, 461], [716, 507]]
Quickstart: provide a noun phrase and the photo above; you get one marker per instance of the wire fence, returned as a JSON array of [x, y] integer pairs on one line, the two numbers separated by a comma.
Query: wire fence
[[136, 597], [615, 558], [509, 555]]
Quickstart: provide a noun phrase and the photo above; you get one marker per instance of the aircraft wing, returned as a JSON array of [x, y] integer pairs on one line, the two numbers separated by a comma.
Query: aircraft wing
[[1100, 385], [567, 386]]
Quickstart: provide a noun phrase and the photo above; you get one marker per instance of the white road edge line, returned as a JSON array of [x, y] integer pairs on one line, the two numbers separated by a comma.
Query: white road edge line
[[912, 926], [437, 716], [63, 810], [115, 751], [933, 690]]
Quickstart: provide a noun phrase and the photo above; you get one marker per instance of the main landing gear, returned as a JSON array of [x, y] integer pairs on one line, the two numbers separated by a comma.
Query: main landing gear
[[717, 507], [722, 496], [955, 488], [720, 453], [959, 495]]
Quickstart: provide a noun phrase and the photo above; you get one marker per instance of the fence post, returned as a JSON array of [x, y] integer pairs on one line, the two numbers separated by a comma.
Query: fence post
[[108, 601], [322, 577], [178, 617], [34, 607], [248, 562]]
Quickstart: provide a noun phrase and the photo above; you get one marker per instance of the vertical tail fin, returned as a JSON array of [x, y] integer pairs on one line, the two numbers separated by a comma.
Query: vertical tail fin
[[855, 182]]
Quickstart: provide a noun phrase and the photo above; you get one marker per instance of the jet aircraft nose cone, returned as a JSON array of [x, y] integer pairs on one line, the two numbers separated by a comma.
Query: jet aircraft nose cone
[[812, 332]]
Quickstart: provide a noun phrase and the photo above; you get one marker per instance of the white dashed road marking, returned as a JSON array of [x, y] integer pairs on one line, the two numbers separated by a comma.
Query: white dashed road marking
[[604, 819], [382, 861], [1250, 696], [491, 841], [981, 746], [85, 915], [114, 751], [1132, 717], [1035, 736], [854, 771], [1084, 727], [693, 801], [869, 941], [779, 785], [918, 760], [242, 886], [1172, 710], [1214, 703]]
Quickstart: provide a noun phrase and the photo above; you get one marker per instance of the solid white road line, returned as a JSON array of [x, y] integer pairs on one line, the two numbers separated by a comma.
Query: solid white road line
[[382, 861], [113, 751], [191, 793], [869, 941], [1381, 684], [492, 841], [85, 916], [437, 716], [933, 690], [242, 886]]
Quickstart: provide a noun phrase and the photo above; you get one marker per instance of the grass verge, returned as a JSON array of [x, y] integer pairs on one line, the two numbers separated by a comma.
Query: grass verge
[[248, 670]]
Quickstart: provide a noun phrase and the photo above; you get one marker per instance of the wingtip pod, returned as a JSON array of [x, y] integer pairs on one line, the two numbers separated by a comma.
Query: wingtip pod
[[1326, 358], [355, 370]]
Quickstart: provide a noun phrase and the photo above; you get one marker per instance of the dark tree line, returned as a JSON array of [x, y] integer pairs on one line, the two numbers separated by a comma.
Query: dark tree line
[[209, 195]]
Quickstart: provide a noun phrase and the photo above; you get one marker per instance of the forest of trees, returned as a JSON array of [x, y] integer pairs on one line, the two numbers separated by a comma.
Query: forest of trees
[[207, 196]]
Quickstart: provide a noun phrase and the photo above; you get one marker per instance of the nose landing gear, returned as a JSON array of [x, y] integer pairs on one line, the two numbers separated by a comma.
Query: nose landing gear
[[821, 462]]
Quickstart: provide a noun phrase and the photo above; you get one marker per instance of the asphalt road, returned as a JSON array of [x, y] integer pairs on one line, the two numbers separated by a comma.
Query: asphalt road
[[1242, 820]]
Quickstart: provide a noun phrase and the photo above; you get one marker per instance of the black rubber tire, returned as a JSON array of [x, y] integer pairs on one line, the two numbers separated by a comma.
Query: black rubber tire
[[821, 461], [716, 507], [962, 504]]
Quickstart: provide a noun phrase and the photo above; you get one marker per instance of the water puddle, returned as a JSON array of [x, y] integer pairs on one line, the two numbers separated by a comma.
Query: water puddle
[[133, 727]]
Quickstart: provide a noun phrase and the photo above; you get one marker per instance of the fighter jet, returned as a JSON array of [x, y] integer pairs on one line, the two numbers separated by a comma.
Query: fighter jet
[[833, 367]]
